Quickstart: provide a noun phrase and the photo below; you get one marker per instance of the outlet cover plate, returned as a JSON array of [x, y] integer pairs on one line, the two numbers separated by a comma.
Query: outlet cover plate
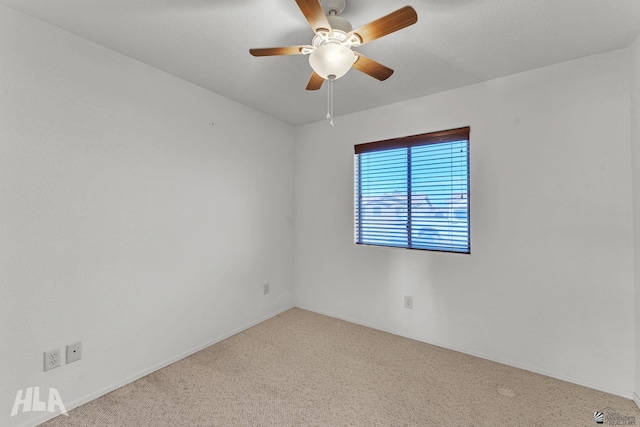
[[265, 289], [74, 352], [51, 359], [408, 302]]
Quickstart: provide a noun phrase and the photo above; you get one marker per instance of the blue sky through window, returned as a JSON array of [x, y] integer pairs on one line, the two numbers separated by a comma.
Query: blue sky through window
[[414, 197]]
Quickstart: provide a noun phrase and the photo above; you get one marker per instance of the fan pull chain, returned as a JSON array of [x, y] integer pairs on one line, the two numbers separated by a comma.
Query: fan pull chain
[[330, 100]]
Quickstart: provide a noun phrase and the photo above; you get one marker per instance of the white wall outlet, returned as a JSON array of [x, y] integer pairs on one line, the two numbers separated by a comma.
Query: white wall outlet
[[74, 352], [265, 289], [408, 302], [51, 359]]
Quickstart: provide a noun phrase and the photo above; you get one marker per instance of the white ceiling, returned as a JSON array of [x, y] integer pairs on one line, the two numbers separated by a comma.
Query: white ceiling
[[455, 43]]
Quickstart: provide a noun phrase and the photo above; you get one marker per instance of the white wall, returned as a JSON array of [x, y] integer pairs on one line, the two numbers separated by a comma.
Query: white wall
[[549, 284], [128, 221], [635, 148]]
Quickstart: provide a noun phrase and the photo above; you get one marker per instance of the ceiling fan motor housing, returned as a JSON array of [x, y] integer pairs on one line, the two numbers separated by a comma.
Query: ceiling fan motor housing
[[339, 23]]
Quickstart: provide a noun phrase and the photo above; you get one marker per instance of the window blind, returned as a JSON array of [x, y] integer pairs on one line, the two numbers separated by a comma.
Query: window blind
[[413, 192]]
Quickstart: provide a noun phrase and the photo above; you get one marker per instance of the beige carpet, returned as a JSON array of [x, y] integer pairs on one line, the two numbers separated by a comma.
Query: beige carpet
[[305, 369]]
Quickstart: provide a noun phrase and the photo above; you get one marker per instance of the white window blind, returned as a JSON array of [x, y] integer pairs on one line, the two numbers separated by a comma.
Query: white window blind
[[413, 192]]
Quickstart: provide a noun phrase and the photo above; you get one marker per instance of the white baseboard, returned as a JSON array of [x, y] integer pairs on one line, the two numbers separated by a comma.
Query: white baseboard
[[600, 387], [636, 399], [45, 416]]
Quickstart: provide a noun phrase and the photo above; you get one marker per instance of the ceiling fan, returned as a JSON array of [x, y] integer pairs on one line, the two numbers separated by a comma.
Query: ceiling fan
[[330, 53]]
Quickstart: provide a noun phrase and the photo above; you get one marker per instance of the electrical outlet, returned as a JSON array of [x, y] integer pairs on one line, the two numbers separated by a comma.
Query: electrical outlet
[[408, 302], [74, 352], [51, 359], [265, 289]]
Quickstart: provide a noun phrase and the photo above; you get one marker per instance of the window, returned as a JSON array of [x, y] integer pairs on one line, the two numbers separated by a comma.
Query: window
[[413, 192]]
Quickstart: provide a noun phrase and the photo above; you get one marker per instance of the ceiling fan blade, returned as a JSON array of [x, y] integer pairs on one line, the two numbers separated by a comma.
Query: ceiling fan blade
[[273, 51], [312, 10], [372, 68], [388, 24], [315, 82]]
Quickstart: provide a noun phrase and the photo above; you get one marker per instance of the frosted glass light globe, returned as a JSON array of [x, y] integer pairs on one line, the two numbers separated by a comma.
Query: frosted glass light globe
[[332, 59]]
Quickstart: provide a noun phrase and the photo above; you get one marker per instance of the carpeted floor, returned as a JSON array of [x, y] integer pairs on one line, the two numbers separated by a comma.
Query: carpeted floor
[[305, 369]]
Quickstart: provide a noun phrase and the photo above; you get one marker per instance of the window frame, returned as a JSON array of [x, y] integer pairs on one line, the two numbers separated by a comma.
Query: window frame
[[444, 136]]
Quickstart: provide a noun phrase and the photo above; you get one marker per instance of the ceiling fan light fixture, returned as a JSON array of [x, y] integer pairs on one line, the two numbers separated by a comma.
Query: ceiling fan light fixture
[[332, 59]]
